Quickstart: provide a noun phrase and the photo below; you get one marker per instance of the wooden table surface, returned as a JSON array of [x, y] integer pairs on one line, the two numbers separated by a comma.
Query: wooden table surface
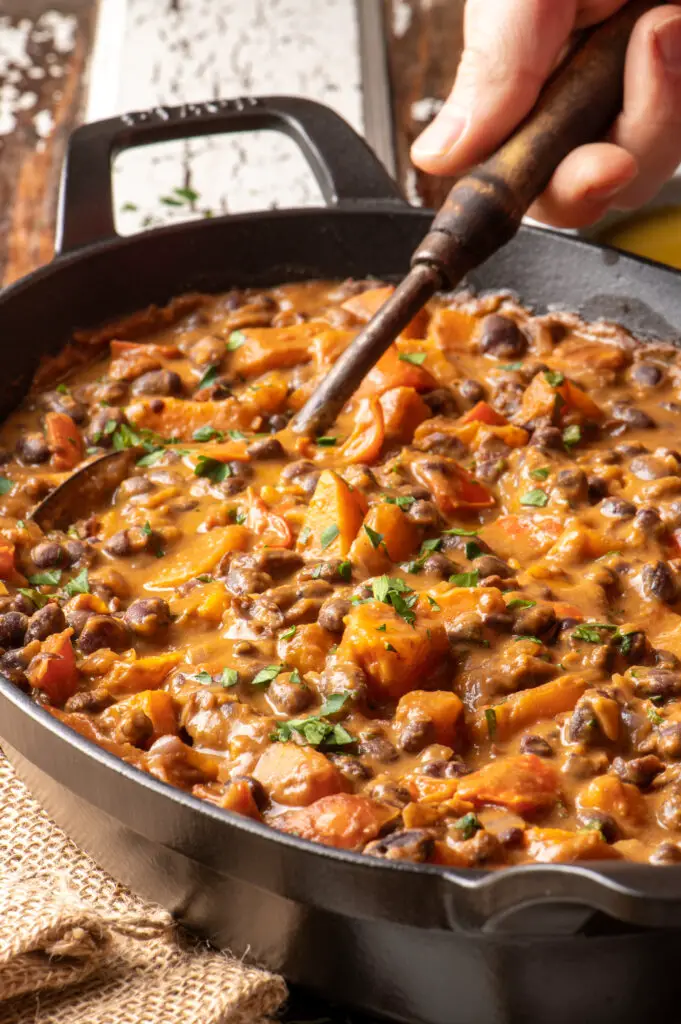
[[64, 61], [176, 50]]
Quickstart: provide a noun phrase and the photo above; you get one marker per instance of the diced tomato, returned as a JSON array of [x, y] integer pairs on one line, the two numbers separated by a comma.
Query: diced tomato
[[452, 487], [365, 442], [64, 439], [54, 668], [482, 412], [6, 559]]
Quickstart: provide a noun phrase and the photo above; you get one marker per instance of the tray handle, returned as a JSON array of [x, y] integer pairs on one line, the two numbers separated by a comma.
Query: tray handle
[[347, 171]]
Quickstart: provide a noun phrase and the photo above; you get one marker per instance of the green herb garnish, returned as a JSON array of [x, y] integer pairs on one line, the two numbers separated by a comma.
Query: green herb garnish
[[328, 536], [235, 341], [468, 825], [266, 675], [554, 378], [520, 602], [326, 442], [50, 578], [591, 631], [288, 634], [229, 677], [465, 579], [540, 474], [417, 358], [80, 584], [212, 468], [208, 434], [402, 501], [38, 599], [491, 720], [572, 435], [537, 498], [5, 485], [374, 537]]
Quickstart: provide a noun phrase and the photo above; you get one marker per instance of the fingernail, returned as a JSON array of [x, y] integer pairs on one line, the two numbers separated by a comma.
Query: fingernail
[[668, 39], [601, 195], [442, 134]]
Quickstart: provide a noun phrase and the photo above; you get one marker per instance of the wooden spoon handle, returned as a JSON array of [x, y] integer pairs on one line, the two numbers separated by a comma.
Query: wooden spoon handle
[[579, 103]]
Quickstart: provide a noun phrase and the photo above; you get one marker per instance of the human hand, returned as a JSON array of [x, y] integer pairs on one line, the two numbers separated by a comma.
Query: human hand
[[511, 47]]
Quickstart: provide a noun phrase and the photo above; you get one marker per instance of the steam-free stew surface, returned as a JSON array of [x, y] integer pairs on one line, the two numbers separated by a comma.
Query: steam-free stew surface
[[447, 632]]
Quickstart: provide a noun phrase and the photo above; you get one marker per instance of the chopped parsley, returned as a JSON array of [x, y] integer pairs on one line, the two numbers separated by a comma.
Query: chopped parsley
[[591, 631], [394, 591], [266, 675], [50, 578], [334, 703], [38, 599], [520, 602], [528, 636], [229, 677], [209, 377], [212, 468], [5, 485], [572, 435], [402, 501], [62, 389], [375, 537], [146, 529], [328, 536], [80, 584], [473, 550], [208, 434], [541, 473], [315, 730], [288, 634], [327, 442], [554, 378], [203, 677], [235, 341], [468, 825], [416, 358], [536, 498], [345, 570], [458, 531], [465, 579], [433, 603], [624, 641]]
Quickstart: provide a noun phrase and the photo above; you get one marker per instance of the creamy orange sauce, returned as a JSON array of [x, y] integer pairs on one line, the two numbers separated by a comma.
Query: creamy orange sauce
[[449, 631]]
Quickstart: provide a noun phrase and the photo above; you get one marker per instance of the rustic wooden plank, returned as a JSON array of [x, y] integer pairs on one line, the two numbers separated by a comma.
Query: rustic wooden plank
[[44, 46], [424, 44]]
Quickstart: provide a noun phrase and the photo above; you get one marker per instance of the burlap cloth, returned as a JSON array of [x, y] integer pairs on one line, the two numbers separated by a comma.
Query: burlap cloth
[[78, 948]]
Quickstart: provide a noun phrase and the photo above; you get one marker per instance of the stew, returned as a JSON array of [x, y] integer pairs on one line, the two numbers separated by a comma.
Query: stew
[[446, 632]]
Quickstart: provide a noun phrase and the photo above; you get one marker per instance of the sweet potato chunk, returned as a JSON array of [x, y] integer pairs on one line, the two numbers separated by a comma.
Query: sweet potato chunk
[[453, 330], [54, 668], [544, 399], [529, 706], [297, 776], [610, 795], [403, 410], [367, 304], [141, 674], [64, 439], [202, 555], [482, 412], [452, 487], [523, 537], [439, 707], [159, 708], [181, 418], [522, 784], [399, 538], [307, 649], [397, 657], [393, 372], [346, 821], [275, 348], [366, 440], [557, 845], [334, 504]]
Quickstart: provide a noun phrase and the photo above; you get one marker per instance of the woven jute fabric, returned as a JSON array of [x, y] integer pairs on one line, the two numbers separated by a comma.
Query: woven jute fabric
[[78, 948]]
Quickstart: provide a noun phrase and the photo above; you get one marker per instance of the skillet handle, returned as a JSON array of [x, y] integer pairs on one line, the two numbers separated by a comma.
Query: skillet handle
[[346, 169]]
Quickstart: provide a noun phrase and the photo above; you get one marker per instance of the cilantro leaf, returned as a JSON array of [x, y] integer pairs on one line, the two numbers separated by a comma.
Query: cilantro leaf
[[375, 537], [402, 501], [229, 677], [394, 591], [591, 631], [45, 579], [209, 377], [327, 442], [328, 536], [554, 378], [212, 468], [519, 602], [541, 473], [80, 584], [203, 677], [288, 633], [536, 498], [491, 721], [208, 434], [465, 579], [416, 358], [334, 703], [458, 531], [266, 675], [473, 550], [345, 570], [235, 341], [5, 485], [38, 599], [511, 366], [468, 825], [572, 435]]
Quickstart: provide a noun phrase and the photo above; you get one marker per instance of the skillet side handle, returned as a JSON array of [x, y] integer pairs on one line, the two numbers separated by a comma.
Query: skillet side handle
[[347, 171]]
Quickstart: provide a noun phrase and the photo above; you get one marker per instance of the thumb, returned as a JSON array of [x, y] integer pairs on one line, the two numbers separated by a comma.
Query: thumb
[[510, 47]]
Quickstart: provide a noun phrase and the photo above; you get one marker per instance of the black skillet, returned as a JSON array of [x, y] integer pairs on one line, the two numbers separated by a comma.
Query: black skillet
[[594, 943]]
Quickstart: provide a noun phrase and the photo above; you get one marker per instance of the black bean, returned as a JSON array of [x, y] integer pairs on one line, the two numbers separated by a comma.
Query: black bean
[[632, 416], [56, 401], [158, 382], [617, 508], [658, 682], [351, 768], [425, 513], [332, 613], [583, 726], [490, 565], [33, 449], [332, 571], [648, 467], [344, 676], [77, 617], [442, 443], [538, 621], [376, 745], [13, 626], [299, 468], [90, 700], [669, 814], [45, 622], [502, 338], [536, 745], [648, 520], [131, 541], [507, 396], [547, 438], [418, 732], [596, 489], [669, 740], [279, 421], [438, 564], [103, 631], [233, 484], [287, 697], [639, 771], [572, 482], [388, 792], [440, 769], [48, 553], [646, 374], [490, 469], [247, 581], [441, 402], [99, 431], [266, 448], [12, 666], [658, 581], [453, 542], [258, 792], [278, 562], [600, 822], [411, 844], [471, 391], [666, 853], [148, 616]]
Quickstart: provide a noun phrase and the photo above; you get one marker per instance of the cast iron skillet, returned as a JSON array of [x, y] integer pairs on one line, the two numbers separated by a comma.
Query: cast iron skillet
[[594, 942]]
